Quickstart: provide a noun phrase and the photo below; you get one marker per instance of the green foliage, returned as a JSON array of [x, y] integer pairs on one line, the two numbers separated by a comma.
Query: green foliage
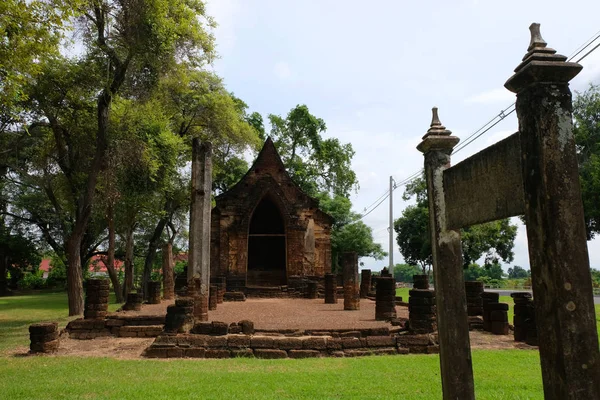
[[315, 164], [347, 234], [32, 280], [517, 272], [473, 272], [413, 238], [405, 272], [494, 239], [595, 278], [586, 112], [57, 277], [30, 31]]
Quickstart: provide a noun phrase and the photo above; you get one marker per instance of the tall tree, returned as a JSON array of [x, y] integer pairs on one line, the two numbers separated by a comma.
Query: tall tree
[[586, 112], [125, 44], [316, 164], [494, 240]]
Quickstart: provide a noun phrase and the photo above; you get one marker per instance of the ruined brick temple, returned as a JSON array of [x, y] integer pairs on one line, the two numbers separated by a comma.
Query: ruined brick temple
[[266, 231]]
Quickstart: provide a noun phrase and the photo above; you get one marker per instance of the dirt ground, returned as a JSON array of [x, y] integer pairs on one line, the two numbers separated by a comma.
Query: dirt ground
[[266, 314]]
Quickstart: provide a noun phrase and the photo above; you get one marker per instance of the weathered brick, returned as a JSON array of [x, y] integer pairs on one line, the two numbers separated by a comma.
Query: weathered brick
[[287, 343], [304, 353], [316, 343], [334, 344], [154, 352], [356, 353], [174, 352], [217, 353], [242, 353], [238, 341], [114, 322], [270, 353], [381, 341], [412, 340], [351, 342], [380, 351], [350, 334], [195, 352], [261, 342], [216, 341], [433, 349]]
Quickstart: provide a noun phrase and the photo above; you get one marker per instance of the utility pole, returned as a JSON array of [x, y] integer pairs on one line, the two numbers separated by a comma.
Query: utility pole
[[391, 228]]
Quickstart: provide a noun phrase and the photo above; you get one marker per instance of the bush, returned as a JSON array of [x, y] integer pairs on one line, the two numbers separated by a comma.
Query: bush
[[57, 277], [32, 281]]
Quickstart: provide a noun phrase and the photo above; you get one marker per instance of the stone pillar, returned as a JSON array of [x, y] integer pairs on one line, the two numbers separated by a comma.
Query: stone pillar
[[498, 318], [199, 242], [96, 298], [421, 282], [365, 283], [421, 309], [213, 299], [43, 337], [474, 289], [168, 274], [154, 292], [385, 299], [558, 255], [133, 302], [453, 324], [221, 288], [180, 316], [523, 313], [330, 289], [351, 288], [311, 290], [488, 298]]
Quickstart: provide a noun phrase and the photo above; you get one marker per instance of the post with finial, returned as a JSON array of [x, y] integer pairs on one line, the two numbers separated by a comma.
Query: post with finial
[[558, 254], [452, 320]]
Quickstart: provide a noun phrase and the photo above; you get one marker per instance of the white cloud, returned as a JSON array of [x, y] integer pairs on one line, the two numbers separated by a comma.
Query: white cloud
[[499, 95], [282, 70], [225, 13]]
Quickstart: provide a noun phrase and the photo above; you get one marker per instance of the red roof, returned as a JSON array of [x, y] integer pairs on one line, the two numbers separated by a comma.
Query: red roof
[[97, 264], [45, 265]]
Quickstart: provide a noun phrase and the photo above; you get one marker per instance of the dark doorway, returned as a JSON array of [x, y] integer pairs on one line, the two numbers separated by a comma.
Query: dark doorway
[[266, 246]]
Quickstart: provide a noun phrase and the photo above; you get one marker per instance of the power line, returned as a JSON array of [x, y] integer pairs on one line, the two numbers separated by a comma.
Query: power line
[[585, 45], [482, 130]]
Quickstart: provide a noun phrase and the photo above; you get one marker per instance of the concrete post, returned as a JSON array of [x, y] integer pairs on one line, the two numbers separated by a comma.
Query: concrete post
[[199, 242], [351, 288], [558, 255], [453, 324]]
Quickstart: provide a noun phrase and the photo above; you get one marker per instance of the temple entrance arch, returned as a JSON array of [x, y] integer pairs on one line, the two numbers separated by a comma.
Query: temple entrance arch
[[267, 248]]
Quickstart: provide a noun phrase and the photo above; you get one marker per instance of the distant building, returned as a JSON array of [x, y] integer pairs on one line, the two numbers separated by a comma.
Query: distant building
[[96, 266]]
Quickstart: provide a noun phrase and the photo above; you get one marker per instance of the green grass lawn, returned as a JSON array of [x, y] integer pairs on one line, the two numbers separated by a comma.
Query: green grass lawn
[[18, 312], [504, 374]]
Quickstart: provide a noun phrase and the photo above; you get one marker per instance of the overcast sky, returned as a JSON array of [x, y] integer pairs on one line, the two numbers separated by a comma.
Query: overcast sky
[[373, 70]]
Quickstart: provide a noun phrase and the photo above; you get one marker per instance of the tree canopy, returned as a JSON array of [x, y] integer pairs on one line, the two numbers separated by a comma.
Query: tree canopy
[[586, 113], [494, 240]]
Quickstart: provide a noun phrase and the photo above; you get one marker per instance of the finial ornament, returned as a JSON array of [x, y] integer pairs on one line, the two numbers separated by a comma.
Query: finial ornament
[[537, 41], [541, 64], [436, 128], [435, 120]]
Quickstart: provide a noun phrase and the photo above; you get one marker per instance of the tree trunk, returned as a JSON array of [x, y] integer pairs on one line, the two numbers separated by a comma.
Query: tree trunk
[[149, 261], [74, 276], [110, 262], [128, 281], [168, 278]]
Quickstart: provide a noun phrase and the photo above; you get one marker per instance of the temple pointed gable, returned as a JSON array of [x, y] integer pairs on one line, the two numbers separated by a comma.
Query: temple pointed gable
[[266, 193]]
